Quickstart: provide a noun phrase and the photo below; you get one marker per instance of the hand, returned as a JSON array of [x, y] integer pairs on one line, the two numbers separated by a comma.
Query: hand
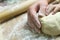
[[53, 8], [33, 14], [33, 17]]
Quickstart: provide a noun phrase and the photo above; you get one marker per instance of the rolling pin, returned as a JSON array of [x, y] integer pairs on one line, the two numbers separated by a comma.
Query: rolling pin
[[15, 10]]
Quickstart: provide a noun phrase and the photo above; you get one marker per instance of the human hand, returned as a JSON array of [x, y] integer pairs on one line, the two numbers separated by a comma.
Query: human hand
[[34, 11], [53, 8]]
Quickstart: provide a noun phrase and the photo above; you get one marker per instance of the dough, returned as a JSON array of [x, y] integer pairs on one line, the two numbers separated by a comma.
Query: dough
[[51, 24]]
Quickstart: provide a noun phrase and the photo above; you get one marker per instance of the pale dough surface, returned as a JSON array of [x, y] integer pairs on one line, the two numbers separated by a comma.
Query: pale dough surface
[[51, 24]]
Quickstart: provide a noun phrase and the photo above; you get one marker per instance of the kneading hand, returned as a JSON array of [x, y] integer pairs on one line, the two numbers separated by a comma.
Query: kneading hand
[[53, 8], [33, 14]]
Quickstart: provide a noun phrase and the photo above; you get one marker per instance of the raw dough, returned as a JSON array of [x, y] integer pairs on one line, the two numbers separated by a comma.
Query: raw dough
[[51, 24]]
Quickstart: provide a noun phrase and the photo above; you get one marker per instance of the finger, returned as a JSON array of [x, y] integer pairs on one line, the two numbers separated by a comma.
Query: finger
[[55, 2], [32, 25], [50, 8], [43, 8], [36, 22], [35, 29], [33, 14], [33, 10], [55, 10], [40, 14]]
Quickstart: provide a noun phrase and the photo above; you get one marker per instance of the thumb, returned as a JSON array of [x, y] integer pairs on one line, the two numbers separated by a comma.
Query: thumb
[[40, 14]]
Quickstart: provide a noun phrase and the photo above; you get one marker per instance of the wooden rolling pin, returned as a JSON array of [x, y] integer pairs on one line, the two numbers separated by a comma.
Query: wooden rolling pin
[[16, 10]]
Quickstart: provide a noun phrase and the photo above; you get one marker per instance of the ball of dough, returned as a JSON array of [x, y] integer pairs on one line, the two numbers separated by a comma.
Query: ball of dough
[[51, 24]]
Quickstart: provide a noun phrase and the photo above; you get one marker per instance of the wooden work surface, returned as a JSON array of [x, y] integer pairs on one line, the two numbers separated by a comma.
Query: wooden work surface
[[18, 29]]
